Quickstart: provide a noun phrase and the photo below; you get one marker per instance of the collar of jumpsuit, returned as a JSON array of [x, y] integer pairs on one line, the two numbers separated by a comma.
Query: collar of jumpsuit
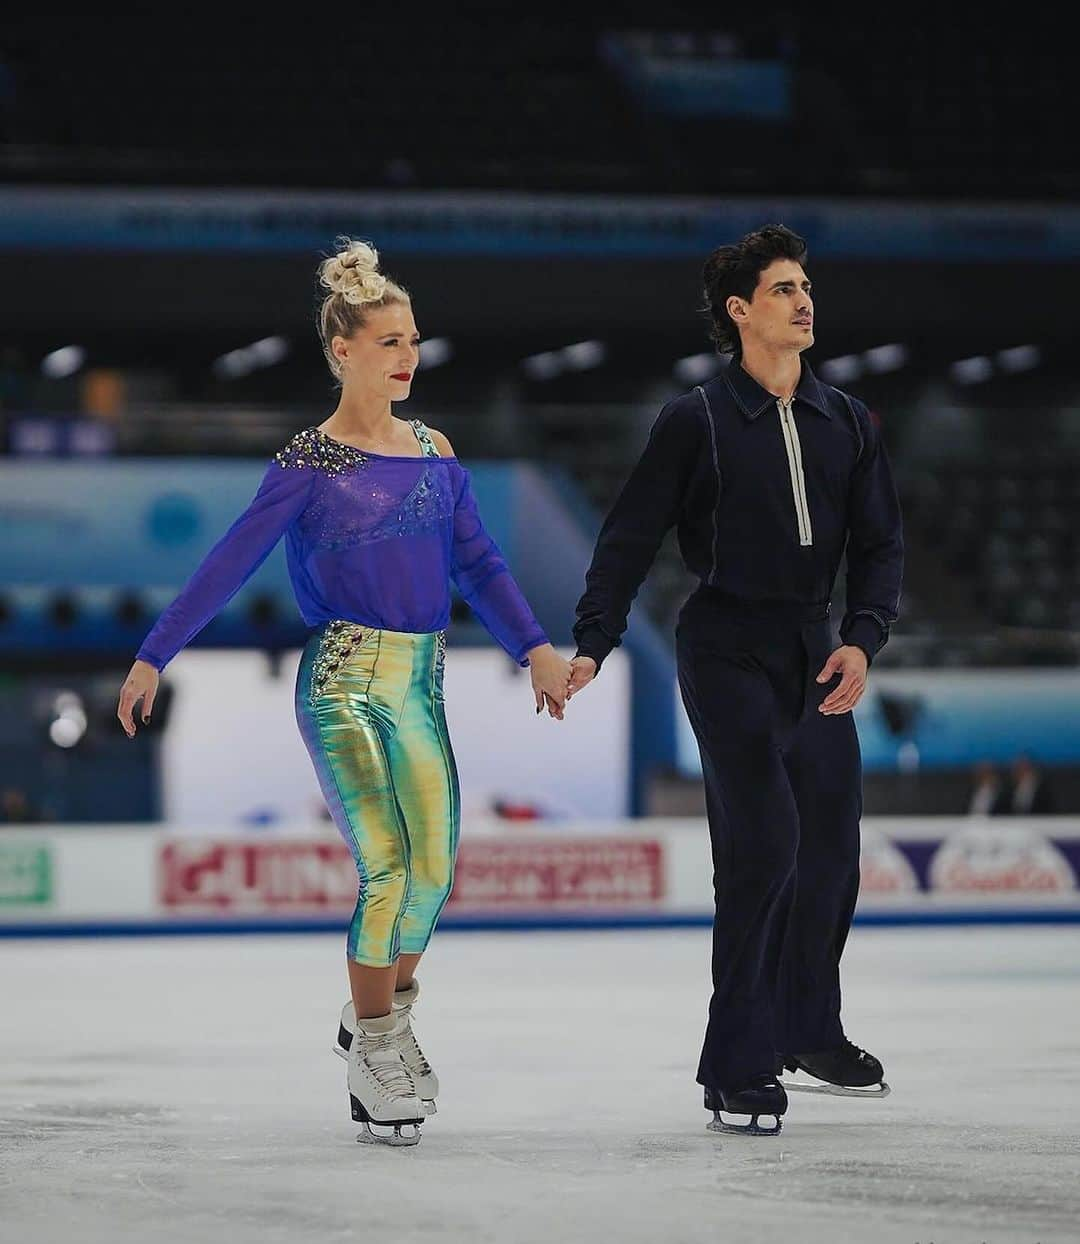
[[752, 399]]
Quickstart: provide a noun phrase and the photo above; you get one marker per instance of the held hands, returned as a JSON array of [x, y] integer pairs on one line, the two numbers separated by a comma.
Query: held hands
[[550, 675], [141, 683], [849, 662], [582, 672]]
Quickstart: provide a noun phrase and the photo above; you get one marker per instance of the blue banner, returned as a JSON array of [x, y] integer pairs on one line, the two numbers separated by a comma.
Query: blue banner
[[509, 225]]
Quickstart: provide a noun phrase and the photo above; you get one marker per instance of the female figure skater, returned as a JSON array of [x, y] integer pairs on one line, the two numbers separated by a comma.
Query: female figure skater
[[377, 516]]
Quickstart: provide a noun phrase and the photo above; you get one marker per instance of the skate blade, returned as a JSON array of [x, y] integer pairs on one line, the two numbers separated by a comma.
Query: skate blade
[[837, 1090], [753, 1128], [402, 1135]]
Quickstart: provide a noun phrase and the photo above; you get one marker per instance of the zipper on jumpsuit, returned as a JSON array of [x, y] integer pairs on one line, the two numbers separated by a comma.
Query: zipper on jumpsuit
[[795, 466]]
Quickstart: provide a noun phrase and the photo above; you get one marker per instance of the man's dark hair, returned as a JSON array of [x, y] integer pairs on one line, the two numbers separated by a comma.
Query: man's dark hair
[[736, 270]]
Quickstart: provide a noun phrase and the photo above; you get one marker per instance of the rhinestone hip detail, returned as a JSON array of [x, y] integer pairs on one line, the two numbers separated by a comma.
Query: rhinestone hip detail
[[337, 644]]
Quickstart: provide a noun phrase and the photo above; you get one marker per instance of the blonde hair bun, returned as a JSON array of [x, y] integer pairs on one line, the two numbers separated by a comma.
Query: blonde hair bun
[[354, 273], [355, 288]]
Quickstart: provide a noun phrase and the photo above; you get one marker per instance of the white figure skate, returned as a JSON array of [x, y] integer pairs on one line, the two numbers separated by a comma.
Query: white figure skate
[[381, 1091], [424, 1079]]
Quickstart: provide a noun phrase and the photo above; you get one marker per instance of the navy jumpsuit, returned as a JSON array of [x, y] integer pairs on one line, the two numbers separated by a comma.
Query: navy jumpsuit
[[767, 498]]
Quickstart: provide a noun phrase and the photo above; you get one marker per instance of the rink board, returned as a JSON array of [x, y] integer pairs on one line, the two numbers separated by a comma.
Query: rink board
[[130, 879]]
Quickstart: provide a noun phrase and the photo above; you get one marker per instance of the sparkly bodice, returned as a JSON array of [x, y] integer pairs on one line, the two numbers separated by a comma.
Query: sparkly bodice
[[314, 448], [370, 538], [355, 504]]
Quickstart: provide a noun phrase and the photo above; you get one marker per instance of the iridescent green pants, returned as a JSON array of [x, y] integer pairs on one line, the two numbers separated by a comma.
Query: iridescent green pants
[[369, 704]]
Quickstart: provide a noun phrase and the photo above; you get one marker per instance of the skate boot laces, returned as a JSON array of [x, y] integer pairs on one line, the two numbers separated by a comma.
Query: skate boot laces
[[411, 1051], [383, 1059]]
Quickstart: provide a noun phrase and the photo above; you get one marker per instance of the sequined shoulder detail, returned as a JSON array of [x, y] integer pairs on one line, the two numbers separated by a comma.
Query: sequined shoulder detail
[[312, 448], [430, 449]]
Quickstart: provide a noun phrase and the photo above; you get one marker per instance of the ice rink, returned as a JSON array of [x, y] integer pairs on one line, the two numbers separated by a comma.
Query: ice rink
[[183, 1090]]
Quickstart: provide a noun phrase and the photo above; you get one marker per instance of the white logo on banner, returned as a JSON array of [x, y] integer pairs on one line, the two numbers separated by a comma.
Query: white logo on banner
[[1010, 858], [226, 875], [534, 872]]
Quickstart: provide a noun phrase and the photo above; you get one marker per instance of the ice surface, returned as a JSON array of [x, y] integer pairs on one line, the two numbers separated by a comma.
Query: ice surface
[[167, 1090]]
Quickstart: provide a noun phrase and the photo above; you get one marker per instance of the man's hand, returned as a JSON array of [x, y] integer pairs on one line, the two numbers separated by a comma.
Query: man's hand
[[849, 662], [582, 672]]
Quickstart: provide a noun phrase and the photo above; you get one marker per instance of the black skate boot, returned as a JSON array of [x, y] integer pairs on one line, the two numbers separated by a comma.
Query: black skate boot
[[845, 1071], [764, 1095]]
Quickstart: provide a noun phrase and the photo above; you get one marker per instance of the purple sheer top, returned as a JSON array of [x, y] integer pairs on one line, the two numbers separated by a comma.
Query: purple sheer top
[[369, 538]]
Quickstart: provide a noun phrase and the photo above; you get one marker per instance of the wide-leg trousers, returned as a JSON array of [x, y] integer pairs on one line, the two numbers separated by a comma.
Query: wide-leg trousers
[[370, 708], [783, 789]]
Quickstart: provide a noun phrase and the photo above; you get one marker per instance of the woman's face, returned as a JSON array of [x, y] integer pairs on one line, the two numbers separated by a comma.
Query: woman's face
[[380, 358]]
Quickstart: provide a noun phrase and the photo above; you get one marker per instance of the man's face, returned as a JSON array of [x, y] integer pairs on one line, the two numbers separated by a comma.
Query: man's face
[[780, 316]]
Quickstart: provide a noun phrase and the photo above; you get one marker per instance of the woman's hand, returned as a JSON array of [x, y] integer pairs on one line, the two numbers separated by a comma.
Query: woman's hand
[[140, 684], [550, 675], [582, 672]]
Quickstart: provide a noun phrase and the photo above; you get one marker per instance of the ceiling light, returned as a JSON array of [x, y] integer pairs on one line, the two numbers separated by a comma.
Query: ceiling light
[[584, 354], [63, 362], [544, 366], [242, 362], [695, 368], [235, 363], [1019, 358], [434, 352], [841, 369], [268, 351], [886, 358], [972, 370]]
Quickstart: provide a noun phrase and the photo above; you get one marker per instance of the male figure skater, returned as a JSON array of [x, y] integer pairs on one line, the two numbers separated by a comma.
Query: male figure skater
[[771, 475]]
